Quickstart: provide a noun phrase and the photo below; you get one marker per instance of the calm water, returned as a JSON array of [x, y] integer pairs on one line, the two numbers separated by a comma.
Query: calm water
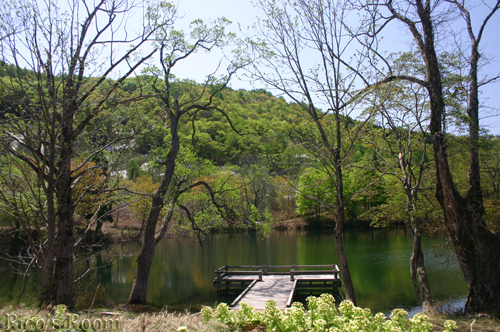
[[182, 271]]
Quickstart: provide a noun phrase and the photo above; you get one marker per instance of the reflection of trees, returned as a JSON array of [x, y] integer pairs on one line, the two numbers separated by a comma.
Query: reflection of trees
[[379, 266]]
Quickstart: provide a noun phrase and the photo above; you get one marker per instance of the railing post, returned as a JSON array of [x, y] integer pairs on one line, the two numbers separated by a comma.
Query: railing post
[[265, 269], [260, 275]]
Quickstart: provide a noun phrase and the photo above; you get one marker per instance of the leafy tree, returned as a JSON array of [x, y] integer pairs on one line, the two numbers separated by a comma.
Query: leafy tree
[[21, 207], [315, 190], [133, 169]]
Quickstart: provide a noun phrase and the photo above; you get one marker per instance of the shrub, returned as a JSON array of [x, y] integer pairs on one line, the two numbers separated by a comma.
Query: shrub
[[321, 315]]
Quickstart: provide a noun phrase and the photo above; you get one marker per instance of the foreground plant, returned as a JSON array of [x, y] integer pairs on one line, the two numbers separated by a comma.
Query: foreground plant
[[320, 315]]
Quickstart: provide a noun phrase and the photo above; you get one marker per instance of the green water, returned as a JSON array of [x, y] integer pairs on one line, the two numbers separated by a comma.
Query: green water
[[182, 272]]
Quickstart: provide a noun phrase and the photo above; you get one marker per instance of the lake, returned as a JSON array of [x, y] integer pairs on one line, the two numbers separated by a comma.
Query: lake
[[182, 272]]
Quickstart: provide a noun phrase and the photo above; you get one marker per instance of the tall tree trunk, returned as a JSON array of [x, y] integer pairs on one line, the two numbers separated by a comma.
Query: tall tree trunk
[[477, 248], [474, 196], [340, 216], [139, 290], [63, 273], [484, 289], [48, 250]]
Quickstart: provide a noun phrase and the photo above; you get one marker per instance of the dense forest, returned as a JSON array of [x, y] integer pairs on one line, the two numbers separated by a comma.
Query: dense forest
[[254, 152], [79, 145]]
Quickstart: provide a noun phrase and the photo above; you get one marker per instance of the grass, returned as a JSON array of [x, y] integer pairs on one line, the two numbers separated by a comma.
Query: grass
[[165, 321], [479, 323], [129, 322]]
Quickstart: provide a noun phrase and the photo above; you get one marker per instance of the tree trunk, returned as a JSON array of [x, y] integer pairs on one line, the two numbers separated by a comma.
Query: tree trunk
[[477, 248], [340, 217], [484, 287], [344, 268], [63, 274], [47, 291], [418, 271], [139, 290], [474, 196]]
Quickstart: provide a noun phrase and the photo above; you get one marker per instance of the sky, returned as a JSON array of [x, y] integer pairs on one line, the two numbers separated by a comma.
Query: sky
[[244, 13], [240, 12]]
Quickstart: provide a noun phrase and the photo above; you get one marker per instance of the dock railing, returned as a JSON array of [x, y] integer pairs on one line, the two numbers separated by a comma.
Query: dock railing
[[224, 271], [266, 269], [334, 271], [244, 271], [301, 276]]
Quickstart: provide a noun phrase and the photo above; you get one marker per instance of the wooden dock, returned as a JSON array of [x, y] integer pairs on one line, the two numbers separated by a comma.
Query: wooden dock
[[262, 282]]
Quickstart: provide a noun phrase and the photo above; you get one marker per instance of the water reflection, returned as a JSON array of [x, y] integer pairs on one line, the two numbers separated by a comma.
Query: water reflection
[[182, 272]]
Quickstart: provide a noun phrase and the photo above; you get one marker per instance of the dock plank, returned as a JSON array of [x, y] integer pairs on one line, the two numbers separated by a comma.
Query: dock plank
[[276, 287]]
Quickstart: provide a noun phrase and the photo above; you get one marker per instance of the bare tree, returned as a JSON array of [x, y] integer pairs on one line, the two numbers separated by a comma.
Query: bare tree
[[70, 55], [305, 52], [477, 247]]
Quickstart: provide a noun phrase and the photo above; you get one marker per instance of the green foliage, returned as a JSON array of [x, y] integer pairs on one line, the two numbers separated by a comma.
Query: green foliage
[[265, 145], [267, 141], [133, 169], [21, 196], [314, 192], [321, 315], [140, 204], [240, 195]]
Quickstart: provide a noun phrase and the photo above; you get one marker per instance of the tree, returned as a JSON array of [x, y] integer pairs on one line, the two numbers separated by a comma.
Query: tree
[[69, 56], [178, 99], [133, 169], [477, 248], [304, 52], [402, 146], [315, 189]]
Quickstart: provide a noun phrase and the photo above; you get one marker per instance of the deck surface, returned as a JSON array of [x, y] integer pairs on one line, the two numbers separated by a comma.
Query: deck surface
[[276, 287]]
